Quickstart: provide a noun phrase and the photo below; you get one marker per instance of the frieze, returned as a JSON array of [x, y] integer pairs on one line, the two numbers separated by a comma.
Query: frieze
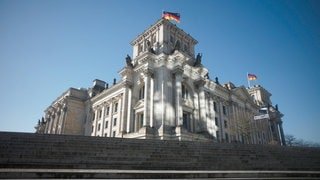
[[108, 101]]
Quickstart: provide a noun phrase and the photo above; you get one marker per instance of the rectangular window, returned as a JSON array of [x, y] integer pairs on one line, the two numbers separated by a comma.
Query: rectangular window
[[140, 48], [93, 116], [218, 135], [186, 121], [116, 107], [227, 137], [185, 47], [216, 121], [225, 124], [224, 110], [100, 113], [141, 93], [185, 92], [140, 120], [153, 39], [114, 134], [92, 129], [105, 134], [114, 121], [107, 122], [99, 126], [108, 110], [215, 106], [172, 39]]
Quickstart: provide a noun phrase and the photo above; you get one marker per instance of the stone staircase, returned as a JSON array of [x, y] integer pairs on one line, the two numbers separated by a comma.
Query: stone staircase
[[27, 155]]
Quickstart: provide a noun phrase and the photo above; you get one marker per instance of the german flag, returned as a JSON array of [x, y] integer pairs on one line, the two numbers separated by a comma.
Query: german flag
[[252, 77], [171, 16]]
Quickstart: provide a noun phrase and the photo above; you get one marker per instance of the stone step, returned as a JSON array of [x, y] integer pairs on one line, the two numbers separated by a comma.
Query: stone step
[[61, 151]]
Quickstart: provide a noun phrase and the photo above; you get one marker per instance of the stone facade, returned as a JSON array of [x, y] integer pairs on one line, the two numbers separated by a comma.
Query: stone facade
[[166, 93]]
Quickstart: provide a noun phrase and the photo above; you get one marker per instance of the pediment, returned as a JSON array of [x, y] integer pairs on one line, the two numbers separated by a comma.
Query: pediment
[[242, 93], [139, 105]]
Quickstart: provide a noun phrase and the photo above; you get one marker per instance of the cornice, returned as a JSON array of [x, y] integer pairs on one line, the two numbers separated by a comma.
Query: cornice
[[106, 92], [148, 31]]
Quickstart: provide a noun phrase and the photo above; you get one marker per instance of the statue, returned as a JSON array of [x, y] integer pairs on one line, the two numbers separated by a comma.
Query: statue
[[217, 80], [198, 60], [149, 48], [207, 75], [129, 61]]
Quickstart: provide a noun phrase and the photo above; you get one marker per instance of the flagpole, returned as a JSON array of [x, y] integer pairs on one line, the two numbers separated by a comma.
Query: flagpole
[[248, 80]]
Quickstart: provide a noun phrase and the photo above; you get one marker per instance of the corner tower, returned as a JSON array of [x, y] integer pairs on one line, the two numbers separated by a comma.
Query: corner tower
[[163, 37], [164, 78]]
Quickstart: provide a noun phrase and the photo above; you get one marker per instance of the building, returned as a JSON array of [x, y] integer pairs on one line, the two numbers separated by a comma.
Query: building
[[166, 93]]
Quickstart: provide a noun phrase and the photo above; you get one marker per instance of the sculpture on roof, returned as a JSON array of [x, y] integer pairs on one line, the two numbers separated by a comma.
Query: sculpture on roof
[[149, 48], [129, 61], [198, 60], [207, 76]]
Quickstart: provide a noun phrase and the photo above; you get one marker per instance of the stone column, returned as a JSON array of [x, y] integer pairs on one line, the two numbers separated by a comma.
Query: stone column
[[59, 124], [178, 106], [123, 115], [221, 123], [270, 134], [51, 122], [210, 122], [47, 125], [147, 85], [151, 101], [283, 140], [129, 119], [57, 120], [110, 119], [202, 105], [64, 112], [102, 120], [94, 133], [136, 123]]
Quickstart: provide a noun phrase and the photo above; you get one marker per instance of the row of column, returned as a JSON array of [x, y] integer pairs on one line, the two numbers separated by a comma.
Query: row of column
[[55, 121], [128, 125], [102, 120], [201, 117], [277, 133]]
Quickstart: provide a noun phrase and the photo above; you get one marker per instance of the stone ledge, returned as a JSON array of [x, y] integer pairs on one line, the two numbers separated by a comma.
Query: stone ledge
[[116, 173]]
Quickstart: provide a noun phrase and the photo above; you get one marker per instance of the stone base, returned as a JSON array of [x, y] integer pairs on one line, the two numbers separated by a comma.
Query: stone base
[[146, 132], [183, 134]]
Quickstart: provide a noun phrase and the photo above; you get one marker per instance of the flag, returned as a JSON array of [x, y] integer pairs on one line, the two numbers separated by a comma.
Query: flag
[[252, 77], [171, 16]]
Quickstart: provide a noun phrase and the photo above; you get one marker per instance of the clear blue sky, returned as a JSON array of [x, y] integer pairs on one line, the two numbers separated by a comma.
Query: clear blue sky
[[48, 46]]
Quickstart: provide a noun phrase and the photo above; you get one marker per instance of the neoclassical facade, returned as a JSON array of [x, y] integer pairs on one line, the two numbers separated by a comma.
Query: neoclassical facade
[[165, 93]]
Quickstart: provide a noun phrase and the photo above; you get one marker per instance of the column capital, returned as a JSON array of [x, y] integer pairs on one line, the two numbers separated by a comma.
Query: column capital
[[177, 70], [147, 72], [128, 84], [199, 82]]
